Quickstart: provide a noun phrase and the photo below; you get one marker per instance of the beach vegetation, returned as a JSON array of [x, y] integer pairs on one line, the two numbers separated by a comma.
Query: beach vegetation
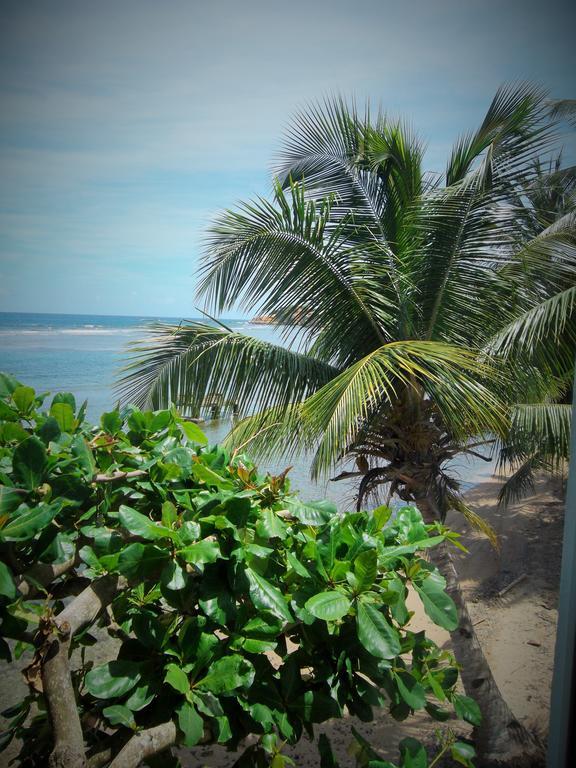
[[158, 592]]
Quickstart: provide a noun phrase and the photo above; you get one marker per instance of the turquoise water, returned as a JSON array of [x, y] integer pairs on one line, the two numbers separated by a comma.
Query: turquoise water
[[83, 354]]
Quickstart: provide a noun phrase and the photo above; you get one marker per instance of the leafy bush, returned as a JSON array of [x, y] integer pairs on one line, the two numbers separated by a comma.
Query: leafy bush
[[229, 606]]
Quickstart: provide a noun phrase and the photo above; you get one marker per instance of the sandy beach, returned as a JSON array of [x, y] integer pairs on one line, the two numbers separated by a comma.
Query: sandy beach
[[517, 630]]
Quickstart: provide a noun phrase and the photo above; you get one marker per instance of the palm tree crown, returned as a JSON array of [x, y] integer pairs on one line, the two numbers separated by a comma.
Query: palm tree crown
[[390, 285]]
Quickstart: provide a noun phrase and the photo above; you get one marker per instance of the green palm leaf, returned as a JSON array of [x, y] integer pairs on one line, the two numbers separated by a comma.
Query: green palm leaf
[[451, 376], [541, 429], [281, 260], [513, 134], [189, 363]]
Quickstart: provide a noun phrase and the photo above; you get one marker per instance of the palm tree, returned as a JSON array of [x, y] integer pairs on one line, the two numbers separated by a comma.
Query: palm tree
[[542, 339], [389, 283]]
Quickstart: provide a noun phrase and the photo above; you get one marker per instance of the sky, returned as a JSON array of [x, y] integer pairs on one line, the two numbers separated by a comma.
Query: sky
[[126, 125]]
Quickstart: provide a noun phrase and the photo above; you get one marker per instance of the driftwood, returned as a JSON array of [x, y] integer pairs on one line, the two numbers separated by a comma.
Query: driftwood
[[512, 584]]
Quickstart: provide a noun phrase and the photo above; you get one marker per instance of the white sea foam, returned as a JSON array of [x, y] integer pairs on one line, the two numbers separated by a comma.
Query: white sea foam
[[83, 331]]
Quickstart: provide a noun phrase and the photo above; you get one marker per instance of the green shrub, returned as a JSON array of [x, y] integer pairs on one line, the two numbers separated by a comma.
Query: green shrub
[[232, 607]]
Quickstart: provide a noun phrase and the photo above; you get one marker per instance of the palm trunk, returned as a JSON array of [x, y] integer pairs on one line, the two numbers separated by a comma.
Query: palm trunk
[[500, 740]]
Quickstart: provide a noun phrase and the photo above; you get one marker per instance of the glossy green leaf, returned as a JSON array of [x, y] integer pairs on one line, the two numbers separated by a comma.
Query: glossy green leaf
[[63, 413], [366, 568], [28, 523], [270, 526], [142, 526], [49, 430], [113, 679], [410, 689], [65, 397], [85, 458], [160, 421], [193, 432], [29, 462], [437, 604], [174, 576], [119, 714], [227, 675], [467, 709], [111, 422], [329, 605], [380, 516], [463, 753], [8, 384], [142, 560], [212, 479], [266, 596], [141, 696], [190, 723], [413, 754], [297, 566], [149, 630], [177, 678], [205, 551], [24, 398], [10, 499], [310, 512], [169, 514], [375, 633], [11, 432], [7, 585]]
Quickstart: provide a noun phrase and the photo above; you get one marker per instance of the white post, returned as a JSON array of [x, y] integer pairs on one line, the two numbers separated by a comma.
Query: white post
[[562, 736]]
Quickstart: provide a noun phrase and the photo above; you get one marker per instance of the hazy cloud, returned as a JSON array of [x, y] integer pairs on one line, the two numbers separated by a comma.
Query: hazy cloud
[[124, 126]]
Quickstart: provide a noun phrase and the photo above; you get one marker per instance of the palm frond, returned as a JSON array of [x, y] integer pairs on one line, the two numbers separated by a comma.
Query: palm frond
[[539, 330], [282, 260], [455, 275], [515, 131], [450, 376], [193, 362], [276, 432], [520, 483], [541, 429], [564, 109], [322, 147], [476, 521]]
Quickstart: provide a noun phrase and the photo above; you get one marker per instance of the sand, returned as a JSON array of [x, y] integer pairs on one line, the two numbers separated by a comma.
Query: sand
[[517, 630]]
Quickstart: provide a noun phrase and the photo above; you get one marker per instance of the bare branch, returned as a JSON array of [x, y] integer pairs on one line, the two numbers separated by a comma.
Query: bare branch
[[100, 758], [85, 608], [102, 478], [42, 574], [68, 749], [145, 744]]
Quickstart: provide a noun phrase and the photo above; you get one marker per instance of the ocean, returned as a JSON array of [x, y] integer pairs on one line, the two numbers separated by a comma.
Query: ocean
[[84, 354]]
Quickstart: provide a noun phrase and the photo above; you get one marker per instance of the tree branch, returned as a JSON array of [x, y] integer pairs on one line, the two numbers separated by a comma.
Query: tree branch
[[42, 574], [85, 608], [145, 744], [60, 696], [102, 478], [68, 749]]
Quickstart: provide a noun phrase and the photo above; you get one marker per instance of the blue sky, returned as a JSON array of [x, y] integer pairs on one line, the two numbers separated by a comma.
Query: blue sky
[[125, 126]]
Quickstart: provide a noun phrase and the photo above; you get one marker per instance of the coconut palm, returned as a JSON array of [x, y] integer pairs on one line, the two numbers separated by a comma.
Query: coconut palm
[[389, 284], [542, 339]]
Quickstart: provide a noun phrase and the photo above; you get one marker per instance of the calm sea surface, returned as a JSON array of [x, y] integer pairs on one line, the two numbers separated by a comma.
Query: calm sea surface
[[83, 354]]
